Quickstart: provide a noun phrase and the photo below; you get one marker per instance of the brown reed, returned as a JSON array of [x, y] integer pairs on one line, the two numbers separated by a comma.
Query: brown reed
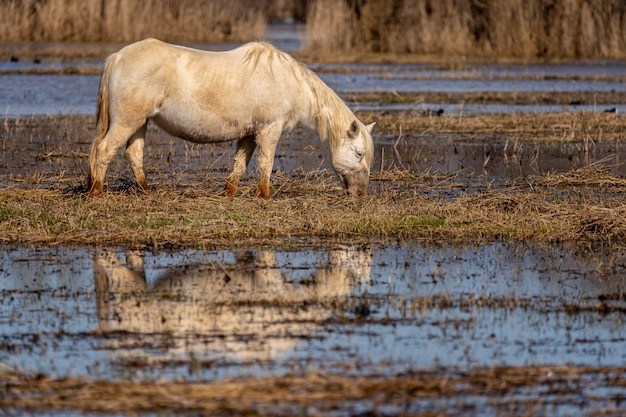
[[491, 28], [127, 20]]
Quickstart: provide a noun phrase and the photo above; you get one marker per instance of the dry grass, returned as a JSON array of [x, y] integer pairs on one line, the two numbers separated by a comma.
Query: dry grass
[[492, 28], [508, 390], [311, 208], [496, 28]]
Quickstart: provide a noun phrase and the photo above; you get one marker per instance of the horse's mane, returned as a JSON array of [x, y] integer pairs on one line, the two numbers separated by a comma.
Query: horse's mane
[[257, 50], [330, 115]]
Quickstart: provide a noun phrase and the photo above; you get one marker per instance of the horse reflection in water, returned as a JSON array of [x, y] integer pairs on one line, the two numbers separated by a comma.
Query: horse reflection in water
[[250, 310]]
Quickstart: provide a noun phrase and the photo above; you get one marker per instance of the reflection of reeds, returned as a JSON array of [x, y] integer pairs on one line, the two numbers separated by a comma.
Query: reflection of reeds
[[576, 28], [126, 20]]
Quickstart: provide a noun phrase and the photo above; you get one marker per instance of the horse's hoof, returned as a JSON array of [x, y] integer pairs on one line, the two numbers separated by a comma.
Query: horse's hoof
[[231, 190], [94, 190], [262, 194], [143, 186]]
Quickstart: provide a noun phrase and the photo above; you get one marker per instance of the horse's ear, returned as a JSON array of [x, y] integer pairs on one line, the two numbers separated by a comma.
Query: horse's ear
[[370, 126], [353, 130]]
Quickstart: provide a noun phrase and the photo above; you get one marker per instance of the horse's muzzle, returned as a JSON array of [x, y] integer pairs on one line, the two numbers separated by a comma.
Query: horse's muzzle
[[356, 183]]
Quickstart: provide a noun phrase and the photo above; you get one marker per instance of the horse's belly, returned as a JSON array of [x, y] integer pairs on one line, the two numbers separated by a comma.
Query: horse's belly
[[202, 128]]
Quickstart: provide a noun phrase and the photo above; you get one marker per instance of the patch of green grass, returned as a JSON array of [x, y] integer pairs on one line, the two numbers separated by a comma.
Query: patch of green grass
[[160, 223], [8, 213], [44, 219], [427, 220], [396, 225]]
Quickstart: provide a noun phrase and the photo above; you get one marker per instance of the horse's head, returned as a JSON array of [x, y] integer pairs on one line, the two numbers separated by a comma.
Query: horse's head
[[353, 158]]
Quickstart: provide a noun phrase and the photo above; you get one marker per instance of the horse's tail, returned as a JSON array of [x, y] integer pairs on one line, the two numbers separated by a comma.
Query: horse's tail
[[102, 123]]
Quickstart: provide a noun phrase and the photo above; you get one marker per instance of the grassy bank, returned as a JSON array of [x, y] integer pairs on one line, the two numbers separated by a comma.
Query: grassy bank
[[492, 28], [582, 205], [42, 200]]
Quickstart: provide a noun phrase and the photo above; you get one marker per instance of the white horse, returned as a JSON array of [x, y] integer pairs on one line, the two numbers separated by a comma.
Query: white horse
[[250, 94]]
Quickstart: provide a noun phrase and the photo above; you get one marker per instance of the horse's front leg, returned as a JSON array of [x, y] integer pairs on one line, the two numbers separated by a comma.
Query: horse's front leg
[[245, 149], [267, 140], [134, 153]]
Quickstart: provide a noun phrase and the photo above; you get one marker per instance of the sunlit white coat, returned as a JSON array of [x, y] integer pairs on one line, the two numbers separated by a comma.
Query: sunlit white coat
[[250, 94]]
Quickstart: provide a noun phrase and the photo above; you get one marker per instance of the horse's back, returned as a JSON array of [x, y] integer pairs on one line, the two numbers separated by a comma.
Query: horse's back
[[256, 68], [205, 95], [248, 58]]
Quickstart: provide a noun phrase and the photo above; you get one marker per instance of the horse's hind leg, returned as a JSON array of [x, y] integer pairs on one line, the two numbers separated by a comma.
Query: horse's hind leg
[[102, 153], [245, 149], [134, 153]]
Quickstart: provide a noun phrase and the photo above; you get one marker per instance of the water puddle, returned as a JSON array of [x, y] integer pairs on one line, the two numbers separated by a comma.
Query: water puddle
[[495, 159], [467, 109], [251, 312], [359, 82], [24, 95], [598, 77]]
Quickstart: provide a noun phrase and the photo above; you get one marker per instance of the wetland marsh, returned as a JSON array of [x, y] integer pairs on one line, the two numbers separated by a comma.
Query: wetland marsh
[[483, 275]]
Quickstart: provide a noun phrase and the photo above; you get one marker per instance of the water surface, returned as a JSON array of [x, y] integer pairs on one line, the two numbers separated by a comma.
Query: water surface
[[261, 311]]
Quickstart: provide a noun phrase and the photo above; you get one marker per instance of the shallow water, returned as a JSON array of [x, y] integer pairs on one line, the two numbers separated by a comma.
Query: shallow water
[[252, 312], [466, 109], [456, 82], [42, 156], [25, 95], [496, 159]]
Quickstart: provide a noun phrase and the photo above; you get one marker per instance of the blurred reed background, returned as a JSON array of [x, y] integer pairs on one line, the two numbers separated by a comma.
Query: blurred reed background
[[130, 20], [483, 28], [515, 28]]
